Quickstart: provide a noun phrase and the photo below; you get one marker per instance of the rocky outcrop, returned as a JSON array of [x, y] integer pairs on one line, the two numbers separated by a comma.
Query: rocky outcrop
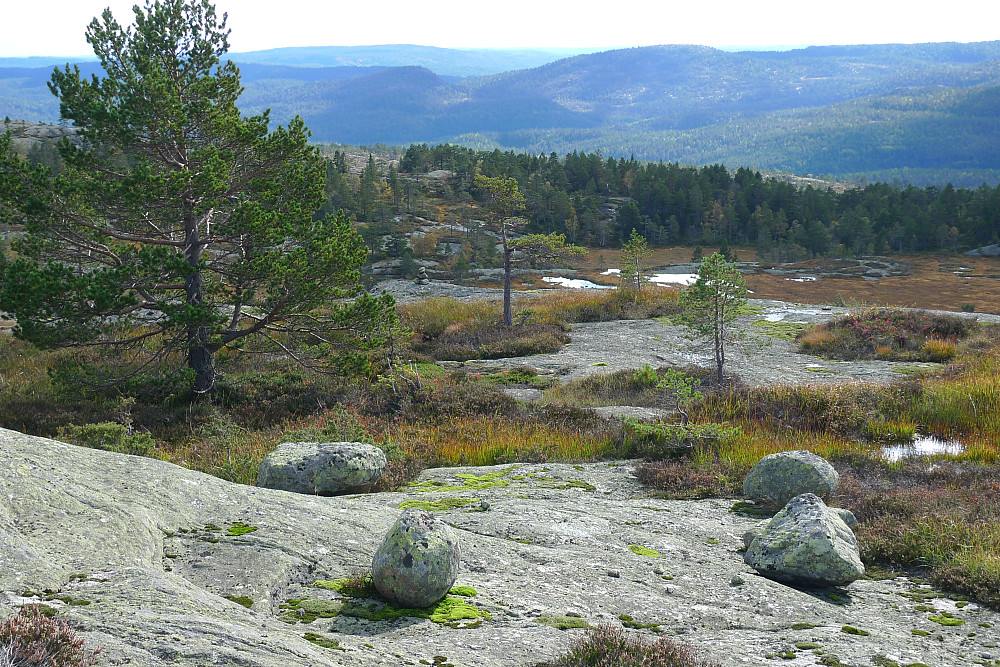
[[153, 563], [322, 468], [417, 562], [985, 251], [805, 543], [777, 478]]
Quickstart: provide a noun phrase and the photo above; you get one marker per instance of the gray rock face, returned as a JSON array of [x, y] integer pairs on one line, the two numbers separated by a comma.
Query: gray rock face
[[806, 543], [322, 468], [417, 562], [777, 478], [985, 251], [128, 541]]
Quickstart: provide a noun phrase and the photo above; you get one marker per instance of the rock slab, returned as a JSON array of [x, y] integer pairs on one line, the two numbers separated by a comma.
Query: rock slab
[[417, 562], [805, 543], [777, 478], [322, 468]]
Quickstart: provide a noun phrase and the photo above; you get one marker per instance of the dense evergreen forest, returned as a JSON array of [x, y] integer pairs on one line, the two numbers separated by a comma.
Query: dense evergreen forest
[[597, 201]]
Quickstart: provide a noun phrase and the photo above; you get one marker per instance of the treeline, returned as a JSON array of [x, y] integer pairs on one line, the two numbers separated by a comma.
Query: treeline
[[598, 201]]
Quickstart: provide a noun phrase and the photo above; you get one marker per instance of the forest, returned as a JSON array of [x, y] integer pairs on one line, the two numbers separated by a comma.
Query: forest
[[597, 201]]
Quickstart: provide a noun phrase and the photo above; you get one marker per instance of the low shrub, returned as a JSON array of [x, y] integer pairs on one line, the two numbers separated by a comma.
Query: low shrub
[[888, 333], [601, 305], [611, 646], [659, 440], [476, 340], [109, 436], [30, 639]]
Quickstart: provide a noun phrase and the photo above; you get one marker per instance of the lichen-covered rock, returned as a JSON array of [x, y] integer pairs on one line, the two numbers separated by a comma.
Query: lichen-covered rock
[[322, 468], [755, 532], [777, 478], [806, 543], [846, 515], [417, 562]]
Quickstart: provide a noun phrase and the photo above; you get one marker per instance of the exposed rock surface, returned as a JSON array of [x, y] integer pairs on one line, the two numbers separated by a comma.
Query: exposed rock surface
[[322, 468], [806, 543], [985, 251], [779, 477], [135, 538], [417, 562]]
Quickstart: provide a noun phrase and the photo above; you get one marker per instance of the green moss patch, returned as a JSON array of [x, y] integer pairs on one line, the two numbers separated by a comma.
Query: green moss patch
[[550, 483], [946, 619], [640, 550], [851, 630], [441, 505], [563, 622], [239, 528], [630, 622], [803, 626], [325, 642], [452, 611], [469, 482], [351, 587], [805, 646], [917, 632], [921, 594], [783, 330], [464, 591], [240, 599], [308, 610]]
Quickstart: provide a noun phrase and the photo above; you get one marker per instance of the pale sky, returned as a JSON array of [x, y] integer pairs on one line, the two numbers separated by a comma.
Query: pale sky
[[56, 27]]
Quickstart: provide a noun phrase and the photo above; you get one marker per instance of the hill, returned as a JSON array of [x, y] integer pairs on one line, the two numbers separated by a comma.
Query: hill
[[923, 112]]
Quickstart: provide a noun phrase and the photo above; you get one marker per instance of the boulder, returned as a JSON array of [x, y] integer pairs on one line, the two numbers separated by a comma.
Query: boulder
[[417, 562], [806, 543], [322, 468], [847, 516], [777, 478]]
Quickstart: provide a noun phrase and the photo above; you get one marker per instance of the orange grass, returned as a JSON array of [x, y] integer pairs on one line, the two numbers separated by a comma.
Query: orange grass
[[482, 441]]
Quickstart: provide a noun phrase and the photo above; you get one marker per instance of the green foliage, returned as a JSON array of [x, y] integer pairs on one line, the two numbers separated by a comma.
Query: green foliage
[[109, 436], [633, 267], [710, 306], [179, 228], [659, 440]]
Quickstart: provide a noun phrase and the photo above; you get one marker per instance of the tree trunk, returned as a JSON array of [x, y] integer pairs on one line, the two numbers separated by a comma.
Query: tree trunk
[[200, 357], [508, 319]]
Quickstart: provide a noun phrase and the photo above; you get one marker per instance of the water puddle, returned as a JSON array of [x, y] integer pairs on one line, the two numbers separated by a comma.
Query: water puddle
[[803, 279], [611, 272], [683, 279], [576, 283], [922, 445]]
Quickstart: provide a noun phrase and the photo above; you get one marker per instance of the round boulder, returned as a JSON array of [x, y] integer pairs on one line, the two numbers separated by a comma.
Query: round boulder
[[806, 543], [777, 478], [417, 562], [322, 468]]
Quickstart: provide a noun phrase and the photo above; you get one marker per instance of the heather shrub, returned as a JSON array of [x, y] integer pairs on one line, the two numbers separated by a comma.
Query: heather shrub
[[610, 646], [29, 639], [888, 333]]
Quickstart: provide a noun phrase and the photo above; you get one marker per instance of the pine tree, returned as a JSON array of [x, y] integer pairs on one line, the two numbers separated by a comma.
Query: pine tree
[[180, 227]]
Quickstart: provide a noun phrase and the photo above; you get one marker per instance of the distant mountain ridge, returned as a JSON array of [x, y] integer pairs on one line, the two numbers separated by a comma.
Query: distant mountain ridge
[[924, 112]]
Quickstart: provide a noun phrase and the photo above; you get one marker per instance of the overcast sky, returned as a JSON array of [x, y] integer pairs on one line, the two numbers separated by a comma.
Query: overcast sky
[[56, 27]]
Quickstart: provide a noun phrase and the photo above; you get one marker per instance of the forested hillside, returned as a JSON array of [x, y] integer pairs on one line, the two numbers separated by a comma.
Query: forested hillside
[[922, 113], [597, 201]]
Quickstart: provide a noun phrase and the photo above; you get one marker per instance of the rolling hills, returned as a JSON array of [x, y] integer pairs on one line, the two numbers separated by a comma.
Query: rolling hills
[[922, 113]]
